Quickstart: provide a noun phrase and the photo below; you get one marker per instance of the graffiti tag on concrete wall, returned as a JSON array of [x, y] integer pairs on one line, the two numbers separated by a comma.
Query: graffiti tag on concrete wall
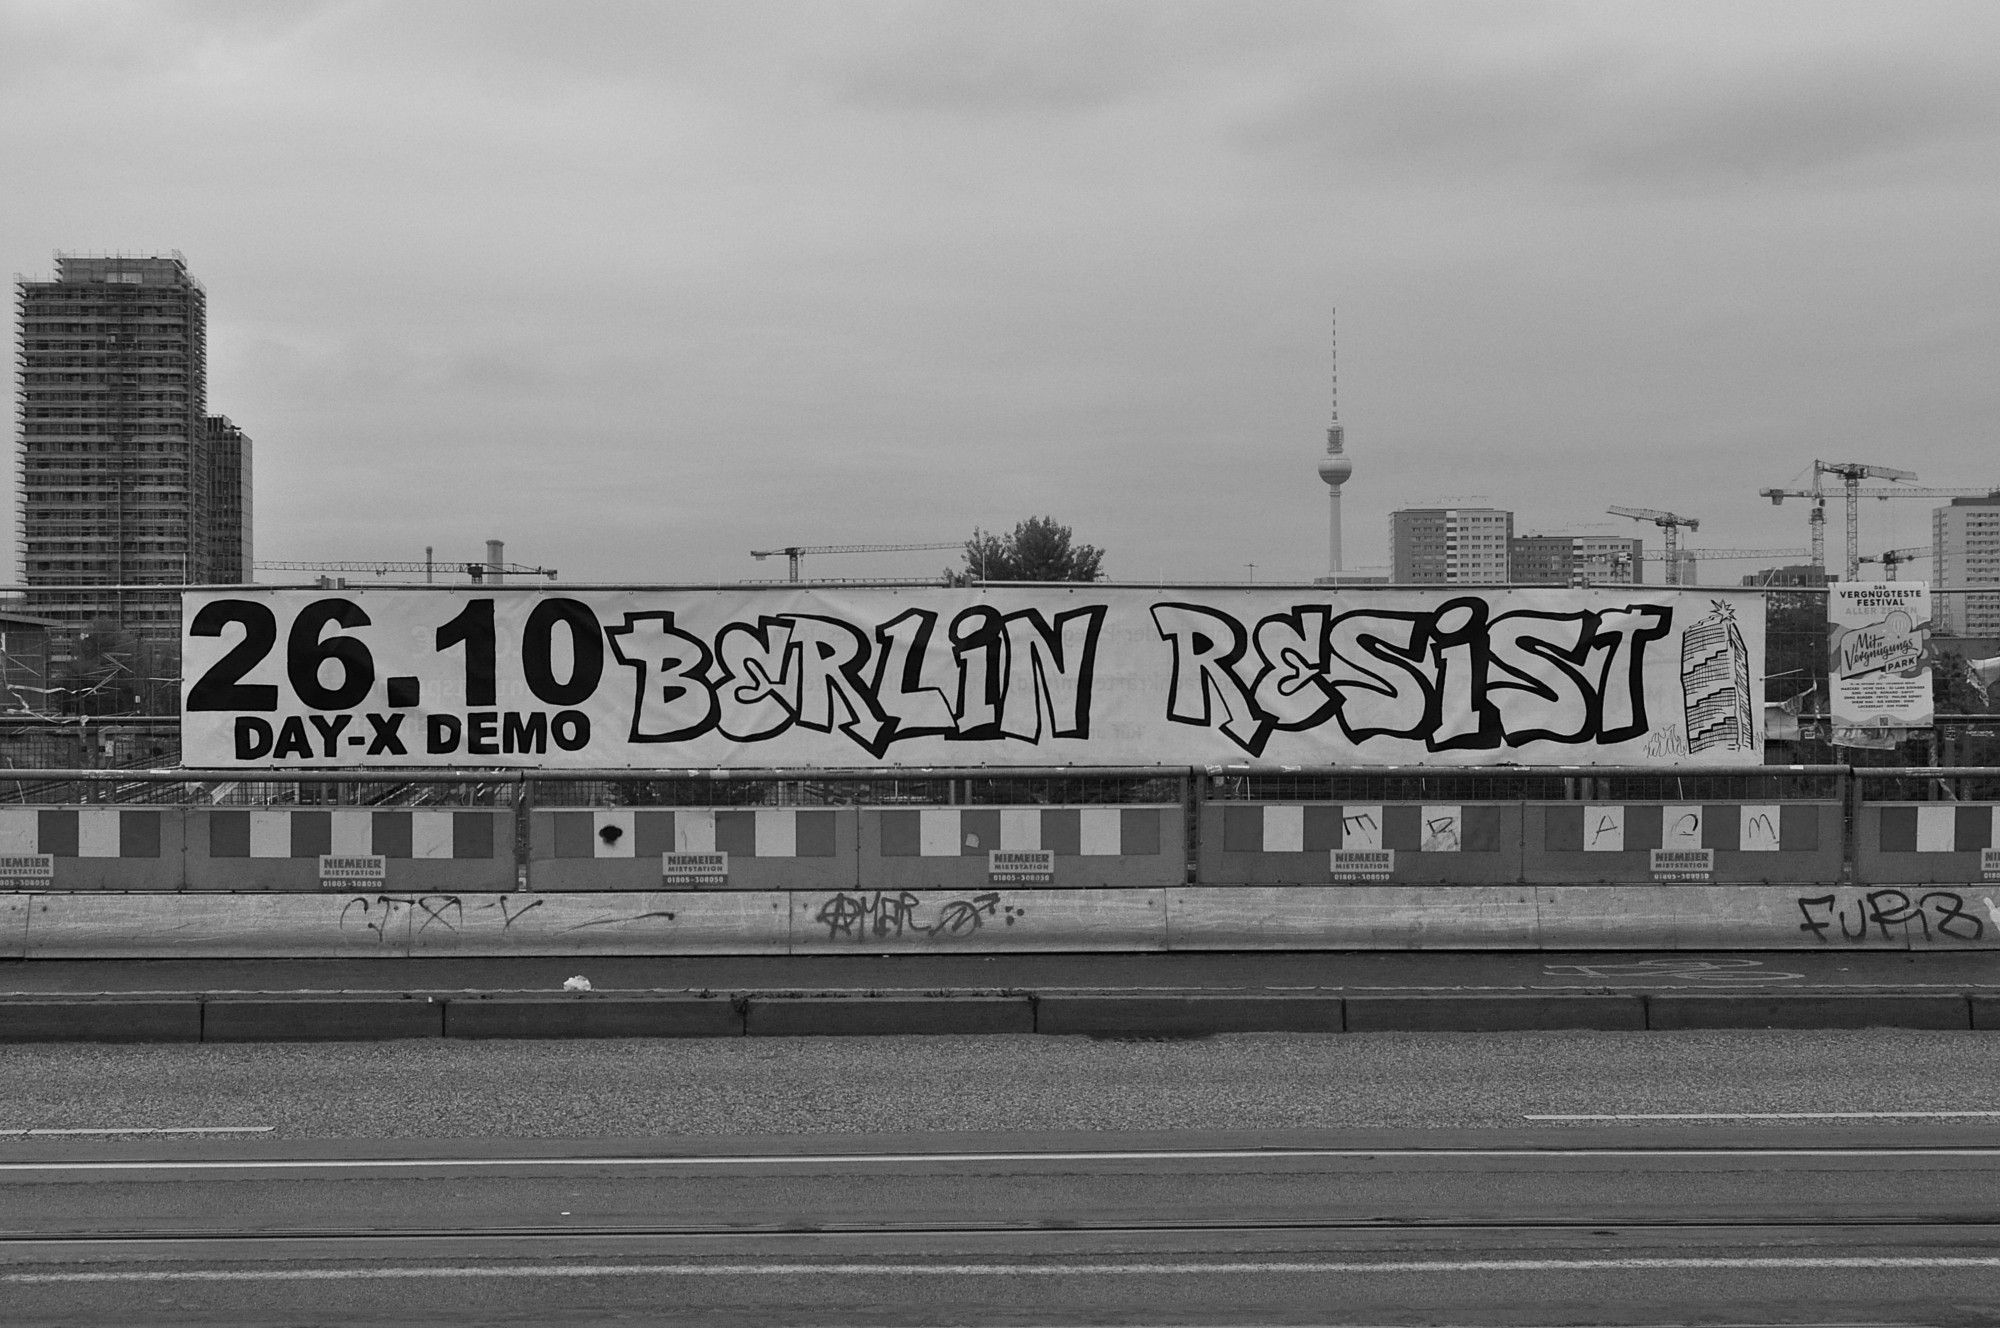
[[382, 914], [1934, 917], [886, 915]]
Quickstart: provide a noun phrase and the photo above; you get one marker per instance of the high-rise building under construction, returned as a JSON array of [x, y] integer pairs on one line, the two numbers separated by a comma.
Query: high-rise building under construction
[[123, 478]]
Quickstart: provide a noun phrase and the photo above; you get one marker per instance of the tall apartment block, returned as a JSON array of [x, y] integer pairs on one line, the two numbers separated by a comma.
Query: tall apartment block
[[124, 478], [1965, 551], [1575, 560], [1449, 545], [231, 555]]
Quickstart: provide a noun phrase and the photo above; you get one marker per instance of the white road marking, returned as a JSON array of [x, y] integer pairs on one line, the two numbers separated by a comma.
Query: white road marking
[[1747, 1264], [900, 1159], [52, 1132], [1773, 1115]]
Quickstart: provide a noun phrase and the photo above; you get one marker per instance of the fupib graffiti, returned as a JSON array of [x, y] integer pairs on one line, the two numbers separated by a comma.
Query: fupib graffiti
[[1458, 677], [981, 676]]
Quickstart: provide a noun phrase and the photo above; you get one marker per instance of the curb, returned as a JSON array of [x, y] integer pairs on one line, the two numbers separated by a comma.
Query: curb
[[843, 1016], [1809, 1012], [1188, 1016], [595, 1016], [1494, 1014], [174, 1019], [319, 1019], [237, 1017]]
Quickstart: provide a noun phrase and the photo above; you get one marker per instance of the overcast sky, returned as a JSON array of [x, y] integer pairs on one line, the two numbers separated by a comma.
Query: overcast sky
[[638, 287]]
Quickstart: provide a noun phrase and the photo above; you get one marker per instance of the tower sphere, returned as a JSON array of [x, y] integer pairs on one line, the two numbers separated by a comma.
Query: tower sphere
[[1334, 467]]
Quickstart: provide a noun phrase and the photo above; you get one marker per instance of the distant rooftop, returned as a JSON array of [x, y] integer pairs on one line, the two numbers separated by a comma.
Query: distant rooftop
[[129, 269]]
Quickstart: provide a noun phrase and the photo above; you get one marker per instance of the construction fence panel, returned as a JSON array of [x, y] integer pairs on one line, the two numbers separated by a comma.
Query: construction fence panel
[[93, 848], [1709, 843], [1322, 843], [1023, 847], [1928, 826], [1921, 843], [636, 848], [420, 849]]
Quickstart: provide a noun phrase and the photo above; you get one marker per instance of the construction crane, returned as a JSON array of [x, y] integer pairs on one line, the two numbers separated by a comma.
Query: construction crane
[[1819, 497], [1732, 553], [1669, 525], [1891, 559], [1851, 474], [798, 551], [477, 571]]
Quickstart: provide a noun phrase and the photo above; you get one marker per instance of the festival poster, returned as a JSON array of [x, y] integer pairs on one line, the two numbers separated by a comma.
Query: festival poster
[[1878, 667]]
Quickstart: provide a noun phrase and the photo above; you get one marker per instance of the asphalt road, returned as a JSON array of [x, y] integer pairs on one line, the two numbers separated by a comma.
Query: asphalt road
[[1240, 1180]]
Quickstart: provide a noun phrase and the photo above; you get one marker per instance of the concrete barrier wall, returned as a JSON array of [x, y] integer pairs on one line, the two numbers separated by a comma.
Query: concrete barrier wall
[[1568, 917], [14, 925], [907, 921], [387, 925], [1506, 917], [118, 925]]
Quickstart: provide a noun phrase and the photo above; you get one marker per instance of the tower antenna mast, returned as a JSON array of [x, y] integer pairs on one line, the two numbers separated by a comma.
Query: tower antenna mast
[[1334, 467]]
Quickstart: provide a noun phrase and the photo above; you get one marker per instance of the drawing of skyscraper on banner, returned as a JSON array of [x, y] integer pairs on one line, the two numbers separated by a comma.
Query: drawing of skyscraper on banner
[[1716, 683]]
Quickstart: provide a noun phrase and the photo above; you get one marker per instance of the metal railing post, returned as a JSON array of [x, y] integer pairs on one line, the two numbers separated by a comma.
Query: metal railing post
[[524, 806]]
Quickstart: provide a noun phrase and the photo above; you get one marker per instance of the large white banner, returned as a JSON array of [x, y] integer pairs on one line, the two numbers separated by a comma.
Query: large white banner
[[1055, 675], [1878, 669]]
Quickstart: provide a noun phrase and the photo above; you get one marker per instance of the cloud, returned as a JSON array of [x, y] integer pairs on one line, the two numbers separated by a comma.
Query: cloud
[[652, 283], [1649, 98]]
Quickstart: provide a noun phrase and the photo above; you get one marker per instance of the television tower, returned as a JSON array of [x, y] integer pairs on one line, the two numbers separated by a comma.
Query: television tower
[[1334, 467]]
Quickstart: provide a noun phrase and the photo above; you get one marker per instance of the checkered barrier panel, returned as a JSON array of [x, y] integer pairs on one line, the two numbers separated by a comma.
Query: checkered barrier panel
[[763, 832], [951, 832], [1637, 827], [623, 848], [1798, 842], [1927, 843], [1251, 843], [298, 833], [1318, 827], [1938, 827], [950, 848], [80, 832]]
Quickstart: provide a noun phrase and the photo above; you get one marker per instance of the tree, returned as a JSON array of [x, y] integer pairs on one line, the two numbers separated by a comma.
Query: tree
[[1954, 689], [1039, 549], [1795, 647], [104, 670]]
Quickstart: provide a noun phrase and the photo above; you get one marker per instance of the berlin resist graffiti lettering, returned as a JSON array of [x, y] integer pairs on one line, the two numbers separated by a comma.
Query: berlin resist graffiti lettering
[[1458, 678], [1000, 676]]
